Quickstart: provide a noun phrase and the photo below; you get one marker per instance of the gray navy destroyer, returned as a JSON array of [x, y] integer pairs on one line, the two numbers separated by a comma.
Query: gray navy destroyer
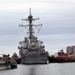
[[32, 50]]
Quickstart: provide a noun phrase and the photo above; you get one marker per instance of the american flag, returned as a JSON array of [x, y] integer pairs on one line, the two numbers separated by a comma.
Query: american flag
[[39, 28]]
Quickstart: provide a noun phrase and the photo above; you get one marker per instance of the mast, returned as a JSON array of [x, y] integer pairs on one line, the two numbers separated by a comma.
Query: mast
[[30, 19]]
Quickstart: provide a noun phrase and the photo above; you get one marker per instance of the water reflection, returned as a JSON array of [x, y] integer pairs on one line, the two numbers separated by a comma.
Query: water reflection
[[49, 69], [31, 71]]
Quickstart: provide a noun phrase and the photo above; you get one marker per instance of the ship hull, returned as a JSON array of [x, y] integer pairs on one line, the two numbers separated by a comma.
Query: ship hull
[[34, 60]]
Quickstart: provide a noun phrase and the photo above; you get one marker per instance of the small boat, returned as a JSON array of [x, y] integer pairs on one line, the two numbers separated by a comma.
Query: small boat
[[7, 63]]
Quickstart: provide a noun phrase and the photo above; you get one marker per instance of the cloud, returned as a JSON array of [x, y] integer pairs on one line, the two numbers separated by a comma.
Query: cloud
[[57, 17], [8, 50], [56, 42], [20, 6], [55, 1]]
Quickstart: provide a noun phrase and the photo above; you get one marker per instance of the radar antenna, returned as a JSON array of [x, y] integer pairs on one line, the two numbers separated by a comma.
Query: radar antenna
[[30, 26]]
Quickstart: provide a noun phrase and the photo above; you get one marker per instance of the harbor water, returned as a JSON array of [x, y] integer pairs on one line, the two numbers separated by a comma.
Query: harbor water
[[45, 69]]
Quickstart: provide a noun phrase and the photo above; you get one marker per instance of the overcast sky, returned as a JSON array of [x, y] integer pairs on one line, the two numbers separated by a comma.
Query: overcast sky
[[57, 17]]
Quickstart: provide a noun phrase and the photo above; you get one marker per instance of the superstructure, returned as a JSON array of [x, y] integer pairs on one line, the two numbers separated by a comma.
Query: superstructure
[[32, 50]]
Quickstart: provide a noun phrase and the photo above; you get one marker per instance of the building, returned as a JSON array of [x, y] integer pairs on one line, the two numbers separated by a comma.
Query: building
[[70, 50]]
